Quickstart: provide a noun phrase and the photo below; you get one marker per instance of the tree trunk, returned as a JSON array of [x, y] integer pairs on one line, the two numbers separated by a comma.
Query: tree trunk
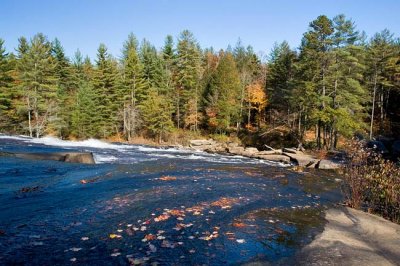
[[178, 115], [373, 106], [29, 118]]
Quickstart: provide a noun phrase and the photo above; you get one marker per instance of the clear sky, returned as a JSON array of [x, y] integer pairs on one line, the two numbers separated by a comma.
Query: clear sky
[[84, 24]]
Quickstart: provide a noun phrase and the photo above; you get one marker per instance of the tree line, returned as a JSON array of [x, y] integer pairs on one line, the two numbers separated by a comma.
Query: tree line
[[337, 83]]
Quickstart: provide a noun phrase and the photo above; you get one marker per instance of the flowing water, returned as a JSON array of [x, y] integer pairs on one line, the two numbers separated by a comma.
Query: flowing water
[[144, 205]]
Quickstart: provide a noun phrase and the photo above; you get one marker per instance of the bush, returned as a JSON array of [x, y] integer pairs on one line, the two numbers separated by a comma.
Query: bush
[[371, 182]]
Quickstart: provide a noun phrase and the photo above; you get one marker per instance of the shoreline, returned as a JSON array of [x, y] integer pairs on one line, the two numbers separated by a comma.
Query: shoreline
[[353, 237]]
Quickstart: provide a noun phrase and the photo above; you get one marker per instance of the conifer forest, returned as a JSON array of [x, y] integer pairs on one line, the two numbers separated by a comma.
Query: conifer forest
[[337, 84]]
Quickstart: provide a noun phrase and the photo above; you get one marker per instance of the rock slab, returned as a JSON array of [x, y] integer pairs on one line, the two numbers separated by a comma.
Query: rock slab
[[353, 237], [70, 157]]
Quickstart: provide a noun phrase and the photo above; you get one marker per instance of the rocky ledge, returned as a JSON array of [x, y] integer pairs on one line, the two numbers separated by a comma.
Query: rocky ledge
[[70, 157], [352, 237], [285, 155]]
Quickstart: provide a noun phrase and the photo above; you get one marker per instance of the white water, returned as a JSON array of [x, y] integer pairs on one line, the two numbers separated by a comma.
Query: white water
[[105, 152], [89, 143]]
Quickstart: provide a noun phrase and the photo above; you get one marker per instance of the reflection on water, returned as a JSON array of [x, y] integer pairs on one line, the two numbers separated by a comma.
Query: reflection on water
[[144, 209]]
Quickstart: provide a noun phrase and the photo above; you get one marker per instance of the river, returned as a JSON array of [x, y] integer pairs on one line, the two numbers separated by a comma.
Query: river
[[155, 206]]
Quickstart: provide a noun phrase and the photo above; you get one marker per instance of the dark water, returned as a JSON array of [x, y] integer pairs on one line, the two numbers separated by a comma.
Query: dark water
[[144, 205]]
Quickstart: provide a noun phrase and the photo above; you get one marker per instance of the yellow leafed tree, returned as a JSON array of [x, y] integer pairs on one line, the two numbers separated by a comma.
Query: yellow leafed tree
[[256, 99]]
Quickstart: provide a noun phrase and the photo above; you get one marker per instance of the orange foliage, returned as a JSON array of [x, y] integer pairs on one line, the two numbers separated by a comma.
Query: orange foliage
[[256, 96]]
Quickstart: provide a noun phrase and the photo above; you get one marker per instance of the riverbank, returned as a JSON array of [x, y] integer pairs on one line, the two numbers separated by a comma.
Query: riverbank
[[297, 157], [353, 237]]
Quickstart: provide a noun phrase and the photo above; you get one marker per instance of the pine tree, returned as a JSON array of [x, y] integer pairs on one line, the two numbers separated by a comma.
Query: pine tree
[[6, 93], [106, 90], [156, 114], [188, 71], [380, 51], [84, 117], [314, 62], [153, 67], [36, 68], [134, 86], [67, 83], [280, 80], [347, 95], [223, 95]]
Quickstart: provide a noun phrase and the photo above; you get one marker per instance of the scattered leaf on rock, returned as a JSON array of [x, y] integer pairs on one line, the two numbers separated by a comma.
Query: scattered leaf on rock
[[239, 224], [112, 236], [167, 178], [149, 237], [162, 217]]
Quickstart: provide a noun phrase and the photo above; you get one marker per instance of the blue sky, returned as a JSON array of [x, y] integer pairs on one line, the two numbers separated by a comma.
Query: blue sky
[[84, 24]]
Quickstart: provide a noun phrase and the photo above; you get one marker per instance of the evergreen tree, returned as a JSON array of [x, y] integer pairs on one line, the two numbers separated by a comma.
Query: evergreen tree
[[106, 90], [36, 68], [188, 71], [153, 67], [314, 62], [380, 51], [134, 86], [67, 83], [223, 95], [6, 93], [84, 116], [347, 96], [280, 80], [156, 114]]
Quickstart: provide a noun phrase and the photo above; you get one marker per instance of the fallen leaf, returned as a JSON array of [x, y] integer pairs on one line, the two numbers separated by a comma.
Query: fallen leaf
[[150, 237], [177, 212], [167, 178], [112, 236], [239, 224], [162, 217]]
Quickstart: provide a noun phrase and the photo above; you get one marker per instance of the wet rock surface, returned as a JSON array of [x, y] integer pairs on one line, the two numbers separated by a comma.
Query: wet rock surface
[[285, 155], [69, 157]]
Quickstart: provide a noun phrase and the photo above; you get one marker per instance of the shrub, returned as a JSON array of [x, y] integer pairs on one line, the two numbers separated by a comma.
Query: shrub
[[371, 182]]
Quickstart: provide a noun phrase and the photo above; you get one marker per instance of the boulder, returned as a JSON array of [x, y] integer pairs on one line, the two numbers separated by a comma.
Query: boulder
[[217, 148], [327, 165], [250, 152], [201, 142], [269, 152], [71, 157], [294, 151], [377, 146], [233, 144], [79, 157], [396, 148], [275, 158], [302, 160], [236, 150]]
